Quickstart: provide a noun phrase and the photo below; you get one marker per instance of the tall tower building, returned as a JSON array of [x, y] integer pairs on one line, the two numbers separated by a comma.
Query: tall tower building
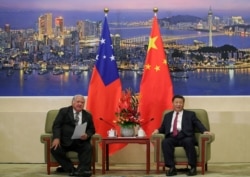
[[87, 28], [45, 26], [59, 25], [210, 27], [7, 28]]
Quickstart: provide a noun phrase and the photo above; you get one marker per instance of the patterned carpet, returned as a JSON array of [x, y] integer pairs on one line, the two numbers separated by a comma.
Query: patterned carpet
[[39, 170]]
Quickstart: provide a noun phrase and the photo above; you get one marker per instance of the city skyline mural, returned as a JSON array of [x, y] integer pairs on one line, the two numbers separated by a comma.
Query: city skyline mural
[[48, 48]]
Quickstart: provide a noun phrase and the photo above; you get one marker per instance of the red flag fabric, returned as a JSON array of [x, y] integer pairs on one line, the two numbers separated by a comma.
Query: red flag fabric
[[104, 88], [156, 89]]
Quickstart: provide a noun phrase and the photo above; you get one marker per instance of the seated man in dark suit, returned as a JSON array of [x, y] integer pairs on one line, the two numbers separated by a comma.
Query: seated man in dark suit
[[178, 127], [63, 129]]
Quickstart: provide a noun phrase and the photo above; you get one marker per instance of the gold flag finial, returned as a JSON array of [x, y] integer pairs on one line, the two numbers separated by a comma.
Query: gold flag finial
[[155, 10], [106, 10]]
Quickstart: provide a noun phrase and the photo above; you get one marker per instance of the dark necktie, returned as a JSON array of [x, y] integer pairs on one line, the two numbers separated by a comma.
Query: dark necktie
[[76, 118], [175, 131]]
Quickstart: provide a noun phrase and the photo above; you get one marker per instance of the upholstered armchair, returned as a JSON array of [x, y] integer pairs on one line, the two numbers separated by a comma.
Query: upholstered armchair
[[46, 138], [203, 148]]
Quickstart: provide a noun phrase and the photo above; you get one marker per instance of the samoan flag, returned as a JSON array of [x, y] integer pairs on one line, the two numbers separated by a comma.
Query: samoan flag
[[105, 87]]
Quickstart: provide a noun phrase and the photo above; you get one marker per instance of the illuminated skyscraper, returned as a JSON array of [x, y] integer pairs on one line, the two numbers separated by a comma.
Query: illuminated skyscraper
[[7, 28], [45, 26], [7, 39], [87, 28], [210, 27], [59, 25]]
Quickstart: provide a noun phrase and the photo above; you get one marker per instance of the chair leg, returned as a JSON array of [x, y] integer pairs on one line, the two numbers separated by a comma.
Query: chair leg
[[205, 166], [93, 166], [157, 167], [48, 169]]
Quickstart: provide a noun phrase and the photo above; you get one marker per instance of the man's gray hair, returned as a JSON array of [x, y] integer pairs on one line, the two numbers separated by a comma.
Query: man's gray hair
[[76, 96]]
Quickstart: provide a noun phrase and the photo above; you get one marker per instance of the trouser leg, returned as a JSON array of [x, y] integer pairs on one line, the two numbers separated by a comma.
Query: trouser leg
[[85, 157], [60, 156], [168, 145], [189, 145]]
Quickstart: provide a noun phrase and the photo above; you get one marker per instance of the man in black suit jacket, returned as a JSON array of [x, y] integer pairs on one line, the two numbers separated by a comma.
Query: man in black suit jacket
[[63, 129], [186, 124]]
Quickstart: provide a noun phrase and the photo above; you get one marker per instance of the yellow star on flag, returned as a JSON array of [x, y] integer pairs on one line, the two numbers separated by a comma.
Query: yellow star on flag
[[165, 61], [157, 68], [147, 66], [152, 43]]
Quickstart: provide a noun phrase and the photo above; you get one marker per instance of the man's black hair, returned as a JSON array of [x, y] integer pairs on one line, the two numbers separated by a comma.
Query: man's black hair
[[178, 96]]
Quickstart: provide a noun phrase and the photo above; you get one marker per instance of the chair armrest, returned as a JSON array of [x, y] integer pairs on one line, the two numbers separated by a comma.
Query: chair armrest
[[208, 138], [156, 139], [46, 140], [95, 140], [204, 143], [158, 135], [46, 137]]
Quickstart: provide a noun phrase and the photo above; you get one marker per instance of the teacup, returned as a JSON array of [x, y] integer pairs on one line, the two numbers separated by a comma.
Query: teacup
[[141, 132], [111, 133]]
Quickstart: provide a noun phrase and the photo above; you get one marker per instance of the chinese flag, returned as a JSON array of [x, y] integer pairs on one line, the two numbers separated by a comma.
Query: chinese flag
[[156, 90], [104, 88]]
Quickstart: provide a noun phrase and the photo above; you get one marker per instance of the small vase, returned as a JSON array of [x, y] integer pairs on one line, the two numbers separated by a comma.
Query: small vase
[[127, 131]]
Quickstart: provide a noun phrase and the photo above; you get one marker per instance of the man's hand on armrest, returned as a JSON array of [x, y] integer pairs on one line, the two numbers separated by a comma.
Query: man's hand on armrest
[[207, 133], [155, 132]]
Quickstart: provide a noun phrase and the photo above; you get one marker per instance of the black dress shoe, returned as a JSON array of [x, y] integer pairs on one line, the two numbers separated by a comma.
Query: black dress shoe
[[73, 172], [171, 172], [83, 174], [192, 171], [60, 170], [86, 174]]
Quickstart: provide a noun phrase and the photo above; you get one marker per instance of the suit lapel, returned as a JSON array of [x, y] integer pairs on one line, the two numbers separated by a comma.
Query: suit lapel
[[83, 117], [183, 119], [169, 119], [71, 114]]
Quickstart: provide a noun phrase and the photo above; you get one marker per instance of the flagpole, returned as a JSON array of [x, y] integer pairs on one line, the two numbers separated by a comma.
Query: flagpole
[[155, 10], [106, 11]]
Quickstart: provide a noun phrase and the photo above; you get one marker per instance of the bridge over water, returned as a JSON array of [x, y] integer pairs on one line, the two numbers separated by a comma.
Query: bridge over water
[[245, 50], [166, 38], [143, 40]]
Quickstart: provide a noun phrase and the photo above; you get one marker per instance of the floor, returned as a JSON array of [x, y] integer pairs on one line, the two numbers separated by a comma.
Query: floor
[[125, 170]]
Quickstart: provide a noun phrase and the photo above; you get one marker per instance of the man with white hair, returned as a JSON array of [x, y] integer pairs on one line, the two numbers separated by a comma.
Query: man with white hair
[[63, 128]]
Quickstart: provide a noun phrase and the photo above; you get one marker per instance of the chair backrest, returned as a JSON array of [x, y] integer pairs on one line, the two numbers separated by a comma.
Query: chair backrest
[[51, 115], [201, 114]]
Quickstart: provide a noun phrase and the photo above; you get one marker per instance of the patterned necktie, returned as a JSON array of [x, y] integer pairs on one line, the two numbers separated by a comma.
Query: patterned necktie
[[76, 118], [175, 131]]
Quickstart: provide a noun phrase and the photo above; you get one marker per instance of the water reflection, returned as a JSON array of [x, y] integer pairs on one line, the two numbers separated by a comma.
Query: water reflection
[[199, 82], [216, 82], [231, 77]]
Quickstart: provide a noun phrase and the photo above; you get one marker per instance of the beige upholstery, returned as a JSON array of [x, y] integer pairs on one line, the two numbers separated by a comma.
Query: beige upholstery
[[203, 149], [46, 138]]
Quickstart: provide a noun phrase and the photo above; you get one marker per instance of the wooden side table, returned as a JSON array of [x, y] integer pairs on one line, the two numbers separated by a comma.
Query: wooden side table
[[136, 140]]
